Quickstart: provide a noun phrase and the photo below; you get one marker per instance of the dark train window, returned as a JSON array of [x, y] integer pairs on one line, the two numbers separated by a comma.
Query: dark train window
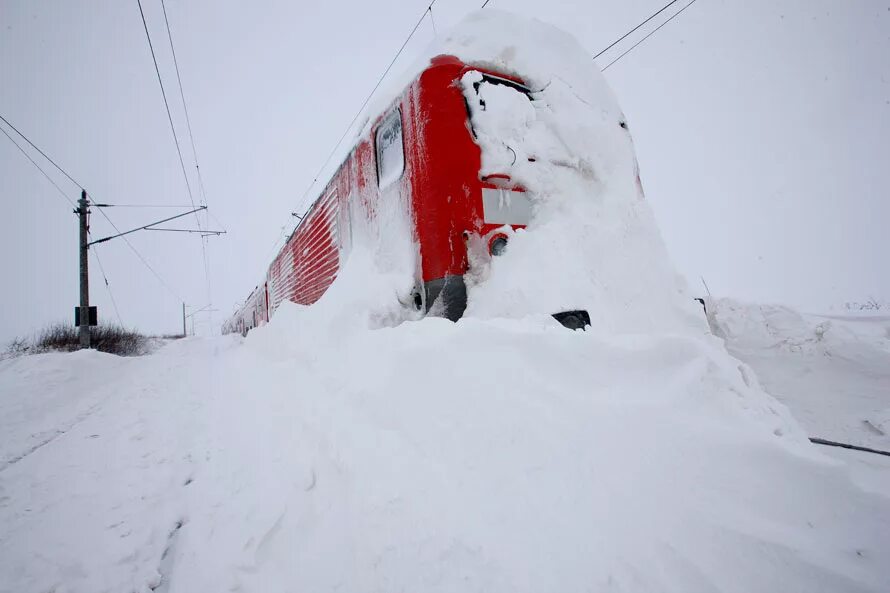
[[390, 149]]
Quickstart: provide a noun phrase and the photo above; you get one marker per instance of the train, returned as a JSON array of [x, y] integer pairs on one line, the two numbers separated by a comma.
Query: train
[[421, 151]]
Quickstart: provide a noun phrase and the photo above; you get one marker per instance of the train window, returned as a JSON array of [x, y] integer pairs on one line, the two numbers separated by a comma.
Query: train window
[[390, 149]]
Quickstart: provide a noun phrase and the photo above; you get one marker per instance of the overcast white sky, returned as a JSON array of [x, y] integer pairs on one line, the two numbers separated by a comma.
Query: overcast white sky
[[762, 130]]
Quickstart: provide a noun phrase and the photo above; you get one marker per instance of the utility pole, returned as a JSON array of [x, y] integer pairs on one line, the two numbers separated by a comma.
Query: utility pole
[[82, 212], [183, 320]]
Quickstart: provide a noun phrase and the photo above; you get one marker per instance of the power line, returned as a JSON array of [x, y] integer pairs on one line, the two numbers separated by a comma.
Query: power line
[[167, 107], [107, 286], [623, 37], [427, 10], [39, 168], [102, 212], [215, 219], [35, 147], [173, 129], [432, 20], [631, 48], [142, 259], [188, 121], [365, 102]]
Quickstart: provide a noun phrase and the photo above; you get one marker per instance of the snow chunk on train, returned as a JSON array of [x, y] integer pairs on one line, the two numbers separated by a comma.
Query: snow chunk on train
[[591, 242]]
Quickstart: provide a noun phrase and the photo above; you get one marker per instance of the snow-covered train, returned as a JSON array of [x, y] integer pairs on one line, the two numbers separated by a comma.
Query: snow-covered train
[[422, 151]]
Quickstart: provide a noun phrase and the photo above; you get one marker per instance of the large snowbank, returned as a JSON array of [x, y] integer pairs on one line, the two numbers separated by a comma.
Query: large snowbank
[[834, 369], [487, 455]]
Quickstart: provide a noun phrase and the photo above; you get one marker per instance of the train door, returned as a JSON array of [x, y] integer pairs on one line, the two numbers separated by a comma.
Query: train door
[[395, 233]]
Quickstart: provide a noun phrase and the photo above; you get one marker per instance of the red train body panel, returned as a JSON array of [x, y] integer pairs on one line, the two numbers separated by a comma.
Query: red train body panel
[[421, 147]]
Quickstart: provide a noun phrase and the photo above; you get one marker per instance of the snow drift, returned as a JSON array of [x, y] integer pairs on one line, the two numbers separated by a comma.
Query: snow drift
[[836, 368]]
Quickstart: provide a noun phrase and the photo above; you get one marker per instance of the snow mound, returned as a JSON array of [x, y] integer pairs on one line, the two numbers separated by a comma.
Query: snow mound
[[834, 370], [570, 148], [487, 455]]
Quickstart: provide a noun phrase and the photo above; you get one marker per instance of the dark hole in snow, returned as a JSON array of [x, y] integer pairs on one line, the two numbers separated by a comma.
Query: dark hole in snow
[[578, 319], [623, 124]]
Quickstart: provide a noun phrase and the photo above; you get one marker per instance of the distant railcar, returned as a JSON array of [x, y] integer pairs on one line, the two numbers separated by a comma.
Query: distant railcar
[[421, 151]]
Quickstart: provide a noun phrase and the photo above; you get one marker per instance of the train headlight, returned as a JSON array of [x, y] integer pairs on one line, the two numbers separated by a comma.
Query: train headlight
[[498, 245]]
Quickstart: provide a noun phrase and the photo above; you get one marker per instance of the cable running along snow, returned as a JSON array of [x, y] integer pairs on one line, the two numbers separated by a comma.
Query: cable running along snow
[[631, 48]]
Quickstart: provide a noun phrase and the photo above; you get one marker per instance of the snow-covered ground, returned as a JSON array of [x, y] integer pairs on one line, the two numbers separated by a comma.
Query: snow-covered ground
[[832, 371], [495, 455]]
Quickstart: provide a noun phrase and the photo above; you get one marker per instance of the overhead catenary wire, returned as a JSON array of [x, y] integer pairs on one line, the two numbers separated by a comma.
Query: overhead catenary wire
[[130, 245], [652, 32], [173, 130], [37, 148], [141, 258], [39, 168], [80, 187], [166, 103], [365, 102], [188, 121], [95, 252], [411, 34], [432, 20], [327, 160], [632, 31], [167, 107]]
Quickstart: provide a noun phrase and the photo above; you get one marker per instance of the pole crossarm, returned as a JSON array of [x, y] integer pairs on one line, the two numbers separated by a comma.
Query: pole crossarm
[[203, 232], [204, 309], [199, 208]]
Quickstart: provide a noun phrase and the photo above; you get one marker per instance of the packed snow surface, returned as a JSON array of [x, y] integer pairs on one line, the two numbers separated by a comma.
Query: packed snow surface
[[832, 370], [342, 448], [487, 455]]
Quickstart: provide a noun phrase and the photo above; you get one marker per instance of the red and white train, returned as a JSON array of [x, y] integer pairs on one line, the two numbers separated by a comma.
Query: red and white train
[[422, 148]]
